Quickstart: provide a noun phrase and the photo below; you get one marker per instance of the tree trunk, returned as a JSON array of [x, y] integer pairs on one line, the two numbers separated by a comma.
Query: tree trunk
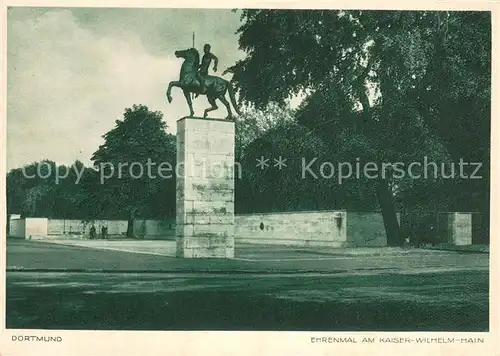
[[130, 224], [388, 208], [384, 194]]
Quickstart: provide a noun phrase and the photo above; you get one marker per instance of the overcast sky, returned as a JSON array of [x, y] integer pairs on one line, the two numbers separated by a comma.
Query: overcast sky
[[72, 72]]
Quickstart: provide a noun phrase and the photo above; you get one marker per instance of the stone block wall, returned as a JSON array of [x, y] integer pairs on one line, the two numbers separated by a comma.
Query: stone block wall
[[314, 228], [58, 227], [155, 229], [29, 228], [17, 228], [36, 228]]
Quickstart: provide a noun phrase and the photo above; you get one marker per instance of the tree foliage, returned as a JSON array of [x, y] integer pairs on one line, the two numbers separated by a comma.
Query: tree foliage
[[137, 142], [45, 189], [380, 85], [111, 189]]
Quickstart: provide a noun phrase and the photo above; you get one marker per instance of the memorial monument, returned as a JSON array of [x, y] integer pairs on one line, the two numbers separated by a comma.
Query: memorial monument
[[205, 156], [215, 88]]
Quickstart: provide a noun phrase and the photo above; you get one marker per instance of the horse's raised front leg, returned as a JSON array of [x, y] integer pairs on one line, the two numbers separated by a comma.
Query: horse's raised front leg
[[169, 90], [187, 94]]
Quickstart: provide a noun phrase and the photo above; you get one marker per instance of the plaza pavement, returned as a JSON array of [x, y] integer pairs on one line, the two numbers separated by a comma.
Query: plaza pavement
[[242, 251], [159, 256], [99, 285]]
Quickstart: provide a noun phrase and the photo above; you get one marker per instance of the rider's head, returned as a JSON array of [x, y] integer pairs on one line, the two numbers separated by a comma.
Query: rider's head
[[206, 48]]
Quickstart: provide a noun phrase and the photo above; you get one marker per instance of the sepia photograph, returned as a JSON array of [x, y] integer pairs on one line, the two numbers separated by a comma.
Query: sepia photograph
[[248, 169]]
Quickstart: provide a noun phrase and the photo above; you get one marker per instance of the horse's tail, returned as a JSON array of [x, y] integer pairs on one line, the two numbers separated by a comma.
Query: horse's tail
[[230, 89]]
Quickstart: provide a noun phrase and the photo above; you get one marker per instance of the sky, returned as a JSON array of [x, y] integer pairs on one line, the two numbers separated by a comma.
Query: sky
[[72, 72]]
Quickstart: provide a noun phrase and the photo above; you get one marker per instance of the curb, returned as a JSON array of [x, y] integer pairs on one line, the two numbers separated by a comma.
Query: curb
[[172, 271], [457, 251], [380, 270], [378, 254]]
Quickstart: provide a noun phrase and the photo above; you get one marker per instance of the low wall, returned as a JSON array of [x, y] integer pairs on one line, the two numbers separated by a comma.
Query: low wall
[[17, 228], [30, 228], [65, 227], [155, 229], [147, 228], [315, 228], [36, 228], [362, 229], [78, 227]]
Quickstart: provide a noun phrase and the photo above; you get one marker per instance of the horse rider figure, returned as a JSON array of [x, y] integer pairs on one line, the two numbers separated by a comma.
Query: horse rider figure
[[194, 79], [203, 68]]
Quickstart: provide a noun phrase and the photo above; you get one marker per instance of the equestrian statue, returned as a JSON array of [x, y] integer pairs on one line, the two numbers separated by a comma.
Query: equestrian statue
[[194, 79]]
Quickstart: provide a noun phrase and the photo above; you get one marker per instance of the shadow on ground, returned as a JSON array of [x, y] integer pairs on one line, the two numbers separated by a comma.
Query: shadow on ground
[[439, 302]]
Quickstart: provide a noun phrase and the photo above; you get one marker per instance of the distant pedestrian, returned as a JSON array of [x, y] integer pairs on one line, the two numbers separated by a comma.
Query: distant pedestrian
[[103, 232], [92, 232]]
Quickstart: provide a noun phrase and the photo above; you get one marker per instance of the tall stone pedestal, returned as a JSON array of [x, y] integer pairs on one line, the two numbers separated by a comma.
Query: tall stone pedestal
[[205, 188]]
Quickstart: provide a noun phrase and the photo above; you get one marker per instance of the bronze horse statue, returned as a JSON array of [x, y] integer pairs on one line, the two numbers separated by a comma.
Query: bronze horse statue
[[216, 87]]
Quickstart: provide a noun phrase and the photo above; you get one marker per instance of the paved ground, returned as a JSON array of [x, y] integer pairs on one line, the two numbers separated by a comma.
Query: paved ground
[[37, 255], [269, 289], [452, 301]]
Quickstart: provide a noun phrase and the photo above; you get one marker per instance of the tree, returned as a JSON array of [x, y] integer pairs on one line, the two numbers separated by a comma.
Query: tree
[[455, 98], [127, 179], [133, 165], [254, 123], [273, 133], [370, 72], [15, 191], [31, 190], [46, 189]]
